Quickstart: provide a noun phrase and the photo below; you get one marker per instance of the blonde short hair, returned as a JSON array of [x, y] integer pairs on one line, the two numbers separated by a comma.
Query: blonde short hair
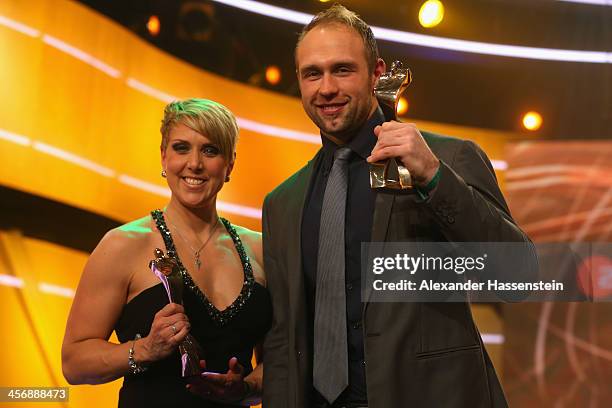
[[206, 117]]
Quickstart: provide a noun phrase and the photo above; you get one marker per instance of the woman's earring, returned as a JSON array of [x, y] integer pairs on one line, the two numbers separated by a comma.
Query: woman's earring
[[163, 173]]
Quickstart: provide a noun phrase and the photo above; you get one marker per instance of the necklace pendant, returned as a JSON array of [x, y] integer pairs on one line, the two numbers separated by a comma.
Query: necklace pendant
[[197, 262]]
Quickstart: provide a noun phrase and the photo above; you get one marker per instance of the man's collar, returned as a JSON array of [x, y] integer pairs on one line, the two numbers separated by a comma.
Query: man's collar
[[364, 140]]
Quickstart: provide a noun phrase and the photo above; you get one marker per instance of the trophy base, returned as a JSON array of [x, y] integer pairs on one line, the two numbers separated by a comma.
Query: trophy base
[[191, 354], [391, 175]]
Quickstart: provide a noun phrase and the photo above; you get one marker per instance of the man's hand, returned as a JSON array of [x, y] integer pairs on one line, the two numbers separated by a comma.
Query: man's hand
[[228, 387], [404, 142]]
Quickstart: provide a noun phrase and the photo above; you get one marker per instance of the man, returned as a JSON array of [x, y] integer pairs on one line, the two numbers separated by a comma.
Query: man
[[327, 348]]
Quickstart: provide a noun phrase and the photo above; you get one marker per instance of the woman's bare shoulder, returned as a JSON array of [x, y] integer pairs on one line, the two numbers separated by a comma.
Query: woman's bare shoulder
[[120, 251], [128, 237]]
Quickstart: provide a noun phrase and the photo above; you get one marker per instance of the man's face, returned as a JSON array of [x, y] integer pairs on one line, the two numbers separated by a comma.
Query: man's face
[[335, 83]]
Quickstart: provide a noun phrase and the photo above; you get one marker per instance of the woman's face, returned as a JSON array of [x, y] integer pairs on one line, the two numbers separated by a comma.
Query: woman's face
[[195, 168]]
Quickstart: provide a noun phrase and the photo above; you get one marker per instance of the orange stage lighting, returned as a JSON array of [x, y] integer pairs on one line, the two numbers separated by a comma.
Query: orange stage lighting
[[532, 121], [273, 75], [431, 13], [153, 25]]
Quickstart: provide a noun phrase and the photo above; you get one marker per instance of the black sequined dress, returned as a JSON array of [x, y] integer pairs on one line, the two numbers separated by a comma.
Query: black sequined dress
[[232, 332]]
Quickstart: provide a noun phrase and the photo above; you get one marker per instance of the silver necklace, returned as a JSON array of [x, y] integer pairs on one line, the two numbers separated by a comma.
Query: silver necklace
[[196, 252]]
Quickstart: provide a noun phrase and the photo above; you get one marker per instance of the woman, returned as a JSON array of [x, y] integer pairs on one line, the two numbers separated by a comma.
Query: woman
[[226, 307]]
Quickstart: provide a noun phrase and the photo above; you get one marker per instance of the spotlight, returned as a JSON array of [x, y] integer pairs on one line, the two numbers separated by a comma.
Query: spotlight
[[532, 121], [273, 75], [153, 25], [431, 13], [402, 106]]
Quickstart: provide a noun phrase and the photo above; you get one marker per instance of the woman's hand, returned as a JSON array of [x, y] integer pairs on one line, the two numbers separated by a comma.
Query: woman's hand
[[169, 328], [228, 387]]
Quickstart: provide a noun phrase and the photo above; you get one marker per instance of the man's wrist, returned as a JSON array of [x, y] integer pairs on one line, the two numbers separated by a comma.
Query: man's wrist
[[431, 181], [424, 190]]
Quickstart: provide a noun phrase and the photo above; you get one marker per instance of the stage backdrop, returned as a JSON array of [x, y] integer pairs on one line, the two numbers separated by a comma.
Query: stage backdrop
[[559, 354], [82, 100]]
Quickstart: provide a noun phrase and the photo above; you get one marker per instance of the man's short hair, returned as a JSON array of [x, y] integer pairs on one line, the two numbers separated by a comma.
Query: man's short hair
[[338, 14], [208, 118]]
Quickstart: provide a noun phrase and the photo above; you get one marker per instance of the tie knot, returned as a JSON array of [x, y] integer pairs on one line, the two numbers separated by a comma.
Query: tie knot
[[342, 153]]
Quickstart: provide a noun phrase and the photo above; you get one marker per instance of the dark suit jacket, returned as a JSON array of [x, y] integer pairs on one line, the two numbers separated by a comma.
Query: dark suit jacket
[[417, 354]]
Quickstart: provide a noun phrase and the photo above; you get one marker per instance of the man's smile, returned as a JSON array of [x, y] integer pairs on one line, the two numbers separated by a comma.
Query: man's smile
[[330, 109]]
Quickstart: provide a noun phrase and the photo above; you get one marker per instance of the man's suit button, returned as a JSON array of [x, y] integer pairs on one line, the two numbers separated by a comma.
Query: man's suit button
[[450, 219], [363, 363], [299, 354]]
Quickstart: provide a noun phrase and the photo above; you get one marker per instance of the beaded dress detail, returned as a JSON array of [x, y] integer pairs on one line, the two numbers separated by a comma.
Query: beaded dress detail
[[220, 317]]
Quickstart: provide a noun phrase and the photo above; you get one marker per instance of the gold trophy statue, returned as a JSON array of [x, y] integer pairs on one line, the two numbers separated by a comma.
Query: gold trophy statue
[[390, 86], [167, 270]]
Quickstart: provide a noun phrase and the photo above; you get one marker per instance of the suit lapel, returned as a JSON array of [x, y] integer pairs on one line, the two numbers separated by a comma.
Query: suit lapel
[[294, 237], [380, 226], [382, 214]]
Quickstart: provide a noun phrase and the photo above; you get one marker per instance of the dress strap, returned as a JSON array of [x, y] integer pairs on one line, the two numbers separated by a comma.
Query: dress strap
[[220, 317], [160, 223]]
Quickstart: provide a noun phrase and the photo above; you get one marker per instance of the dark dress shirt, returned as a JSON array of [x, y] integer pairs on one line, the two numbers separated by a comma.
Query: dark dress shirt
[[358, 227]]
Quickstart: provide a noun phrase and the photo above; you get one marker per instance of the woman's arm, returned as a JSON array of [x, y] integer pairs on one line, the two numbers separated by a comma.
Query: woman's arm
[[254, 381], [87, 355]]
